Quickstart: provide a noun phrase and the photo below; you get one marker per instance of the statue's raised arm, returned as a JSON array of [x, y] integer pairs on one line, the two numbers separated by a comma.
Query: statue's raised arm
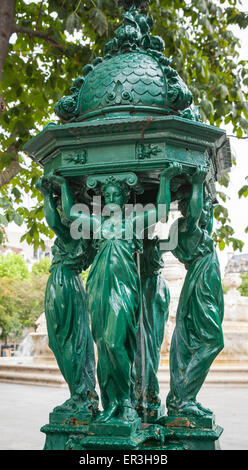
[[196, 202], [52, 215], [161, 210], [72, 210]]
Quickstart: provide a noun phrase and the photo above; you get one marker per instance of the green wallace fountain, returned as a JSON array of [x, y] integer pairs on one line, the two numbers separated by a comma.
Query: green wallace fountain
[[130, 143]]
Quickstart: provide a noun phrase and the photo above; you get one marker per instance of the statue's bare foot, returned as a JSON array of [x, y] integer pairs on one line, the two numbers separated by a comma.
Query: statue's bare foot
[[107, 414], [128, 413], [202, 408], [192, 409], [187, 409], [68, 405], [77, 405]]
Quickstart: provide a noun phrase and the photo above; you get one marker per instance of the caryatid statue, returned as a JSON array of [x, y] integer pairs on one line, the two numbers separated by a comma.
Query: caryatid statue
[[113, 286], [66, 309], [198, 336]]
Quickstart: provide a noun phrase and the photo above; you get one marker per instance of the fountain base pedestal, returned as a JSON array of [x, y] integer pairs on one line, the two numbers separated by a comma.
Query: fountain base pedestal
[[192, 432], [172, 433], [62, 425]]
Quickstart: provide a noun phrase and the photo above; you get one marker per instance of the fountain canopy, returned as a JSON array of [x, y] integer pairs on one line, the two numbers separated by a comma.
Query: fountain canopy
[[133, 76], [130, 109]]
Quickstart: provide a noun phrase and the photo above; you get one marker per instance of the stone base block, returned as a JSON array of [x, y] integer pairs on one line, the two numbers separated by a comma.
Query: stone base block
[[170, 434], [114, 427], [194, 422], [65, 418], [193, 432]]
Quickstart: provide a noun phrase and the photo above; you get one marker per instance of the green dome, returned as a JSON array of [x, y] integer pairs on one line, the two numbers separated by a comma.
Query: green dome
[[132, 79]]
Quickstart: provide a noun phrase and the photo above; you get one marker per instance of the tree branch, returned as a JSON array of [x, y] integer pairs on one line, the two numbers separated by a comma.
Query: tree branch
[[6, 175], [14, 166], [7, 14], [38, 34], [2, 105], [39, 14]]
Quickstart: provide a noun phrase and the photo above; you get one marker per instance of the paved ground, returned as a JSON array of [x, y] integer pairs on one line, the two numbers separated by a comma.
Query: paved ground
[[25, 408]]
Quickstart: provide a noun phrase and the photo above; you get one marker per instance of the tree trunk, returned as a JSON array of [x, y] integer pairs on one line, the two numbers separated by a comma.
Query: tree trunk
[[7, 14], [6, 175], [14, 166]]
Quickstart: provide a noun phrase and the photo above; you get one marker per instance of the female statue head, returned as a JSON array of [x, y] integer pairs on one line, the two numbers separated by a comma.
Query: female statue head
[[115, 192]]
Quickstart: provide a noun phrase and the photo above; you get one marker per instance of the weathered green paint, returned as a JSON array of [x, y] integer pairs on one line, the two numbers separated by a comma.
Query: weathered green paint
[[198, 337], [134, 74], [67, 313], [148, 437], [113, 288], [155, 311], [125, 133], [131, 133]]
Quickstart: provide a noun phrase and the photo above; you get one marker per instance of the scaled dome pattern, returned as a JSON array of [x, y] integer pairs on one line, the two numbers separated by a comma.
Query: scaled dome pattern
[[133, 77]]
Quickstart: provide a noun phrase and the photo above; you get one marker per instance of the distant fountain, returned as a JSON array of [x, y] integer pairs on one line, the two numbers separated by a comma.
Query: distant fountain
[[26, 347], [35, 344], [42, 352]]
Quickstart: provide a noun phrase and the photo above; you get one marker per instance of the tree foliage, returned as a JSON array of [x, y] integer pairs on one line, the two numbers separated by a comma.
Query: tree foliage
[[243, 289], [21, 293], [13, 266], [41, 267], [41, 58], [21, 303]]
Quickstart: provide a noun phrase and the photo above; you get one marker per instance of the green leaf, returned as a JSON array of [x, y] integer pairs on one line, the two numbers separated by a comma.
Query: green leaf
[[243, 191], [222, 245], [99, 21], [18, 219], [16, 193], [29, 70], [5, 203], [3, 220], [239, 133], [73, 23]]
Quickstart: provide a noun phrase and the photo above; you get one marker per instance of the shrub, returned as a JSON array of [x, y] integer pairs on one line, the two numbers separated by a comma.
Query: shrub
[[13, 266], [41, 267], [243, 289]]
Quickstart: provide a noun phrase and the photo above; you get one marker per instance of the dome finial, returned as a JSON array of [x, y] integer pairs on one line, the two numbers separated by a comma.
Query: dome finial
[[135, 4]]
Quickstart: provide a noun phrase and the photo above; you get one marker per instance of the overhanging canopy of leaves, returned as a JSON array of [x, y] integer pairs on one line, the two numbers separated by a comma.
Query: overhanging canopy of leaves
[[37, 67]]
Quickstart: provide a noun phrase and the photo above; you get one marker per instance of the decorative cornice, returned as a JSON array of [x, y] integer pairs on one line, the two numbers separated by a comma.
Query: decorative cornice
[[130, 179]]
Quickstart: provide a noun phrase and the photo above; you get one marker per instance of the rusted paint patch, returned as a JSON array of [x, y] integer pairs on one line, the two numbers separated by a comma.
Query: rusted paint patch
[[75, 422], [179, 423], [146, 126]]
